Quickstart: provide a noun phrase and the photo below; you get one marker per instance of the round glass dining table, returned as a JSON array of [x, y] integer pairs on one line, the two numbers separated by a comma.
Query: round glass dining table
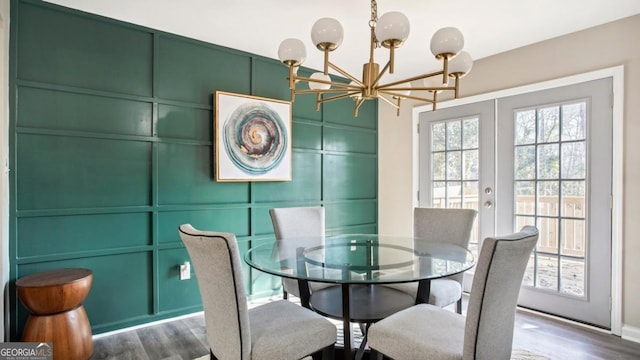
[[352, 269]]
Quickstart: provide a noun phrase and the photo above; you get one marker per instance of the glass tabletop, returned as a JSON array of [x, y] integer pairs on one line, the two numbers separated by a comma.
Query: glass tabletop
[[360, 259]]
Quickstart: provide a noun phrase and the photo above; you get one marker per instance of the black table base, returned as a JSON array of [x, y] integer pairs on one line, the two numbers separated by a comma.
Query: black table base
[[364, 304]]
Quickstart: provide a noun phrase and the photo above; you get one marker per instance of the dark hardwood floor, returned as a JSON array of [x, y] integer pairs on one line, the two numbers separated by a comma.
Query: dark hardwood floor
[[184, 339], [561, 340]]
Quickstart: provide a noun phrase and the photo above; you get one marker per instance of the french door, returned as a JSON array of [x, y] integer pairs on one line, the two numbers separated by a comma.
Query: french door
[[456, 164], [551, 168]]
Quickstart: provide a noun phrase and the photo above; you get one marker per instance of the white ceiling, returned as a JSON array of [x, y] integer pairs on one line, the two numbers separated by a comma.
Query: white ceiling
[[258, 26]]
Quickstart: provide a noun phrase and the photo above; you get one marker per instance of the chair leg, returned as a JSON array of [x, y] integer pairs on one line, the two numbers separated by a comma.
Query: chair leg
[[285, 295], [375, 355], [459, 306], [327, 353]]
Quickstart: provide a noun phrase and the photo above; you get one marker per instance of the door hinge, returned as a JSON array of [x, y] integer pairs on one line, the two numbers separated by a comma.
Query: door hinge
[[610, 201], [418, 128], [611, 99], [418, 195]]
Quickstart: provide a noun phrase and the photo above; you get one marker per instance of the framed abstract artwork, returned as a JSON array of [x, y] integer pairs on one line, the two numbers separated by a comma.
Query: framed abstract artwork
[[252, 138]]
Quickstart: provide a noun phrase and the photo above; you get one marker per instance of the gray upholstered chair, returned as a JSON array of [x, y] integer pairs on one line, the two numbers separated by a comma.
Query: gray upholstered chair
[[276, 330], [429, 332], [298, 222], [448, 225]]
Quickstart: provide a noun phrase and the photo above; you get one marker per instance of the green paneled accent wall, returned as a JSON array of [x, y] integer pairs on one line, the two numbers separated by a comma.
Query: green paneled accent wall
[[111, 149]]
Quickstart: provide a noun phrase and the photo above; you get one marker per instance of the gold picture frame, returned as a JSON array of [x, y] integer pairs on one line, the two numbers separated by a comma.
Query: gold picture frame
[[252, 138]]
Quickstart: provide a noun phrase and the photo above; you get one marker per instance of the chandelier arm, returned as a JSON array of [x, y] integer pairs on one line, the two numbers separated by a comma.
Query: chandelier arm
[[388, 101], [412, 97], [456, 94], [419, 77], [326, 61], [337, 97], [391, 58], [425, 88], [325, 91], [359, 103], [292, 77], [346, 74], [435, 101], [445, 69], [384, 69], [319, 81], [345, 86]]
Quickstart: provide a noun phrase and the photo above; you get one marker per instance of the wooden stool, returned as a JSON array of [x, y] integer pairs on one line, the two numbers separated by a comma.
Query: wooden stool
[[54, 299]]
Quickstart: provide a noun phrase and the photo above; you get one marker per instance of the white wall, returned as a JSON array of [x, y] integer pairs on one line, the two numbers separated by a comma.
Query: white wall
[[597, 48], [395, 207]]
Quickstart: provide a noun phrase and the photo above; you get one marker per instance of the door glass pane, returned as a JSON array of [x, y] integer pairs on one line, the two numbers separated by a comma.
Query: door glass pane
[[470, 164], [574, 160], [525, 220], [549, 124], [471, 195], [548, 161], [455, 167], [573, 199], [439, 165], [550, 168], [438, 194], [454, 194], [574, 121], [438, 132], [525, 162], [548, 237], [572, 276], [529, 271], [548, 198], [454, 135], [573, 238], [547, 272], [525, 198], [470, 134], [525, 127]]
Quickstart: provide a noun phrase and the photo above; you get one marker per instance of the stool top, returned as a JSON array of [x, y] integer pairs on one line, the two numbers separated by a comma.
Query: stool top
[[54, 277]]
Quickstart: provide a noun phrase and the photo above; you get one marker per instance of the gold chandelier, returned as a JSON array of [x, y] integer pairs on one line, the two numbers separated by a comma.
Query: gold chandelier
[[389, 31]]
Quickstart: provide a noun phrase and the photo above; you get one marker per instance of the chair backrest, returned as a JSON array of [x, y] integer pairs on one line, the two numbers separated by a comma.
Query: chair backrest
[[216, 262], [494, 294], [298, 222], [452, 226], [449, 225]]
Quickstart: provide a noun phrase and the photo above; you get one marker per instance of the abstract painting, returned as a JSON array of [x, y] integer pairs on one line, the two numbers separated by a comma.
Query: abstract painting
[[252, 137]]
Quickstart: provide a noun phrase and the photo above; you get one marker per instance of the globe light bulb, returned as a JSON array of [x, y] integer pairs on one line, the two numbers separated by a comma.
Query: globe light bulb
[[446, 42], [327, 34], [292, 51]]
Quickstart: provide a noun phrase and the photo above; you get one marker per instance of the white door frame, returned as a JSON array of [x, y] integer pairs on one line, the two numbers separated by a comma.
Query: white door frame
[[617, 74]]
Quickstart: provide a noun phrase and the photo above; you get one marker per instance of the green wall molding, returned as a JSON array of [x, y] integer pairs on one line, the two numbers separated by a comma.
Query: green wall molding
[[111, 149]]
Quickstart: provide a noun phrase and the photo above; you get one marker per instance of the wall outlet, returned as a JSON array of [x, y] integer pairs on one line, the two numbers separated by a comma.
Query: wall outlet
[[185, 271]]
